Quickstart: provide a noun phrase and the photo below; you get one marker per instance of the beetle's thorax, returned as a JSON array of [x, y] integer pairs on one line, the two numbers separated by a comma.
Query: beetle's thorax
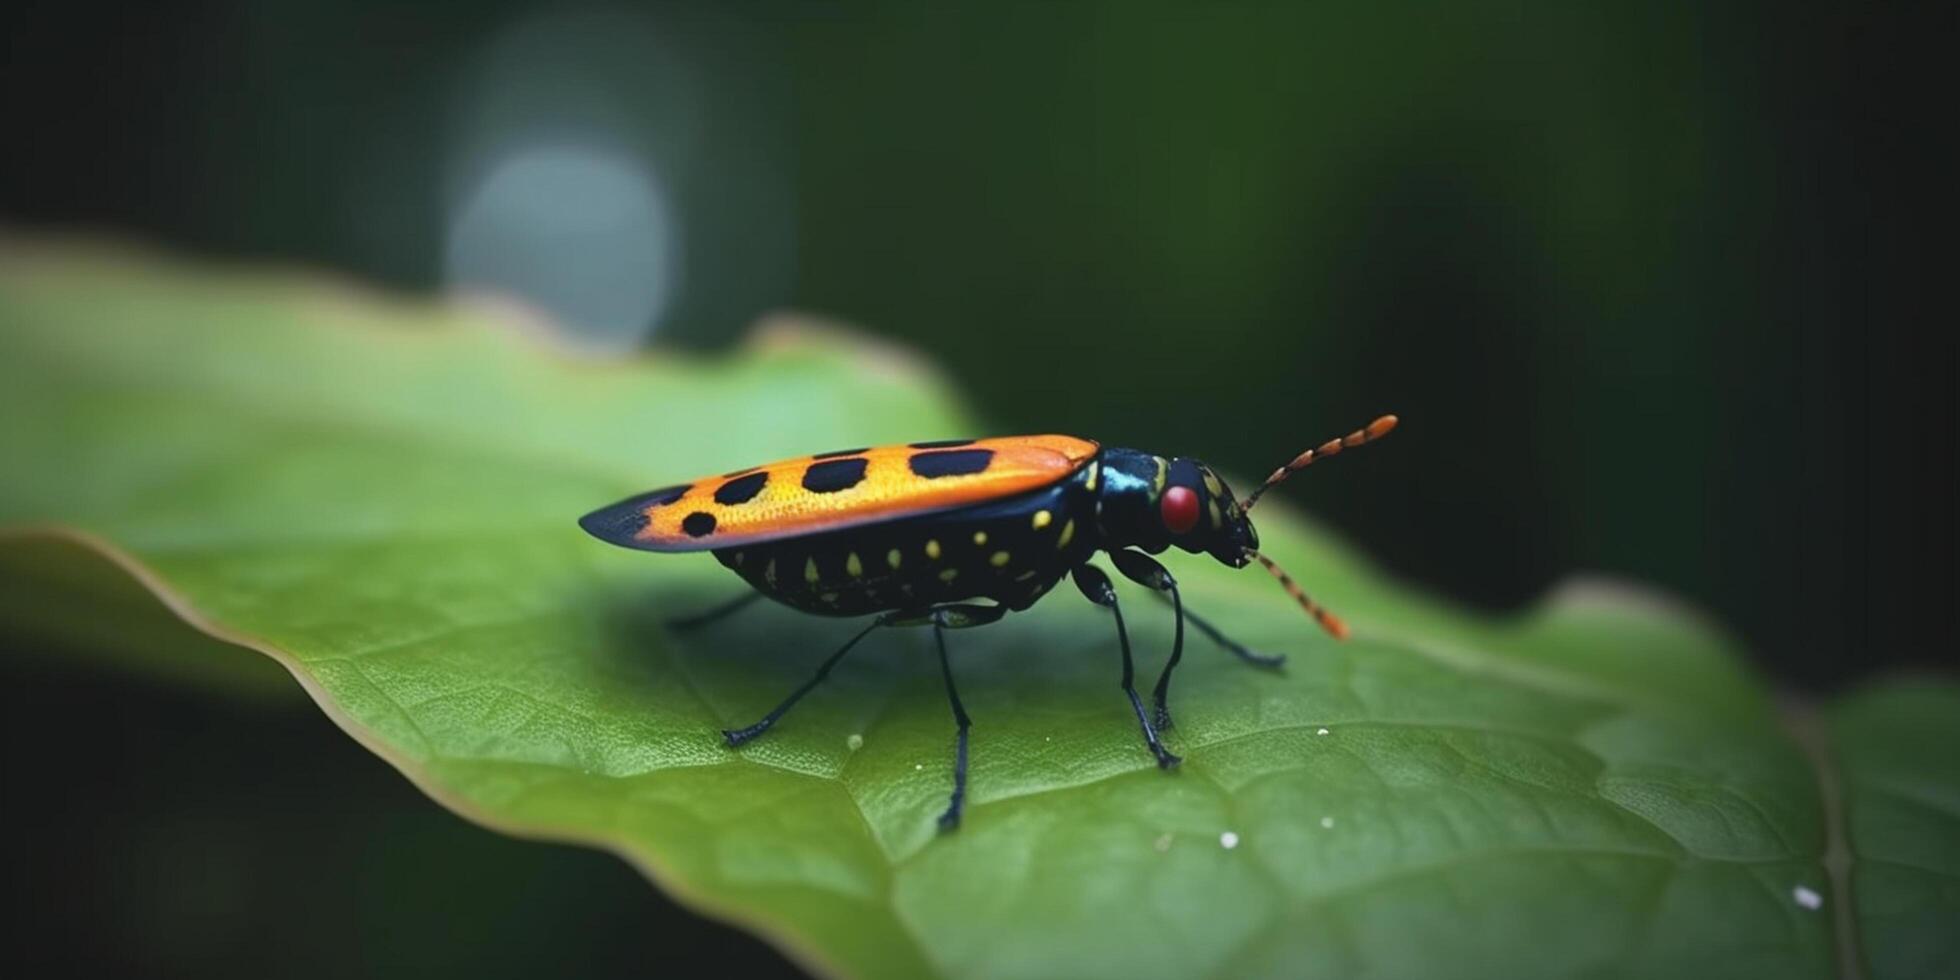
[[1131, 509]]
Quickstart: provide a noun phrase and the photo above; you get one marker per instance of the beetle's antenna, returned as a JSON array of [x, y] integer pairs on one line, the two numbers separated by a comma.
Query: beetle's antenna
[[1328, 621], [1375, 430]]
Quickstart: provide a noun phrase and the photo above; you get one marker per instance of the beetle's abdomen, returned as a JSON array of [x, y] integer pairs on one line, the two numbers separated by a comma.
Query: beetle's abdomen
[[1011, 551]]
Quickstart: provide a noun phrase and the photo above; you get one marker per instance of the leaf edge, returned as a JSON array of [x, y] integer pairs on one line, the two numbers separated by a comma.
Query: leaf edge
[[805, 956]]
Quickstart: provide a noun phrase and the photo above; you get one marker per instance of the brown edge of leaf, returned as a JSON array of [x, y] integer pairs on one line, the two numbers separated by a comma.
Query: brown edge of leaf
[[792, 946], [806, 957]]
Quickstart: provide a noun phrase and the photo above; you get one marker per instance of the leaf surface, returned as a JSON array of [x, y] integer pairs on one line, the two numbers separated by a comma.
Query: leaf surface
[[382, 496]]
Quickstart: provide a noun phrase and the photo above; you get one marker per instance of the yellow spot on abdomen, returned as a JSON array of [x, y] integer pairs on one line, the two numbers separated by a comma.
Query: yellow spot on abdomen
[[1000, 559], [1068, 534], [810, 570], [932, 548], [1041, 519], [856, 568], [1095, 470], [949, 575], [891, 558], [979, 539]]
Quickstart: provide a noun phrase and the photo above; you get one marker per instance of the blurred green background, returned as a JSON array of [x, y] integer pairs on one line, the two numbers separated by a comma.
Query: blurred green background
[[1650, 286]]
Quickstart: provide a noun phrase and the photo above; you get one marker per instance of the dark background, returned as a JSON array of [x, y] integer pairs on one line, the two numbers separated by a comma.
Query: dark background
[[1653, 290]]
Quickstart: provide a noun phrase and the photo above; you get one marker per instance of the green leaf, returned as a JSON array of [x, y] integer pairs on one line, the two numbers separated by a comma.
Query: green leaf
[[1895, 751], [382, 497]]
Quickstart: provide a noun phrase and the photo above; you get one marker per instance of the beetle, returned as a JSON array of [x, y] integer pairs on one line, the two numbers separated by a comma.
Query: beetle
[[913, 533]]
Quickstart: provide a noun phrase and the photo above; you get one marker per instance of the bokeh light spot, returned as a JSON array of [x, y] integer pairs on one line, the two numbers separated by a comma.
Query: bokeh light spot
[[581, 231]]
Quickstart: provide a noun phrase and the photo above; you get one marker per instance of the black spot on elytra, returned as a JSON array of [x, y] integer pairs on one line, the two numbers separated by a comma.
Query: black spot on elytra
[[942, 444], [833, 454], [954, 462], [742, 490], [659, 498], [834, 475], [699, 524]]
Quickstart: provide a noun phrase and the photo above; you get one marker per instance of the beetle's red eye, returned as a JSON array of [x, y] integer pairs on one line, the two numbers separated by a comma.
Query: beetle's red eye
[[1180, 509]]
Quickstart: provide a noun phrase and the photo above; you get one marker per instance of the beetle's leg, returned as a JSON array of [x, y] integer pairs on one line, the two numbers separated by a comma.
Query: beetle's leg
[[1145, 571], [1237, 649], [1095, 585], [682, 624], [954, 616], [951, 818], [738, 736]]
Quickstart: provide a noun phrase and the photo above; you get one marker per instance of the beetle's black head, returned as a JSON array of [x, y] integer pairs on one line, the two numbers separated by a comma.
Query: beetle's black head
[[1150, 502]]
